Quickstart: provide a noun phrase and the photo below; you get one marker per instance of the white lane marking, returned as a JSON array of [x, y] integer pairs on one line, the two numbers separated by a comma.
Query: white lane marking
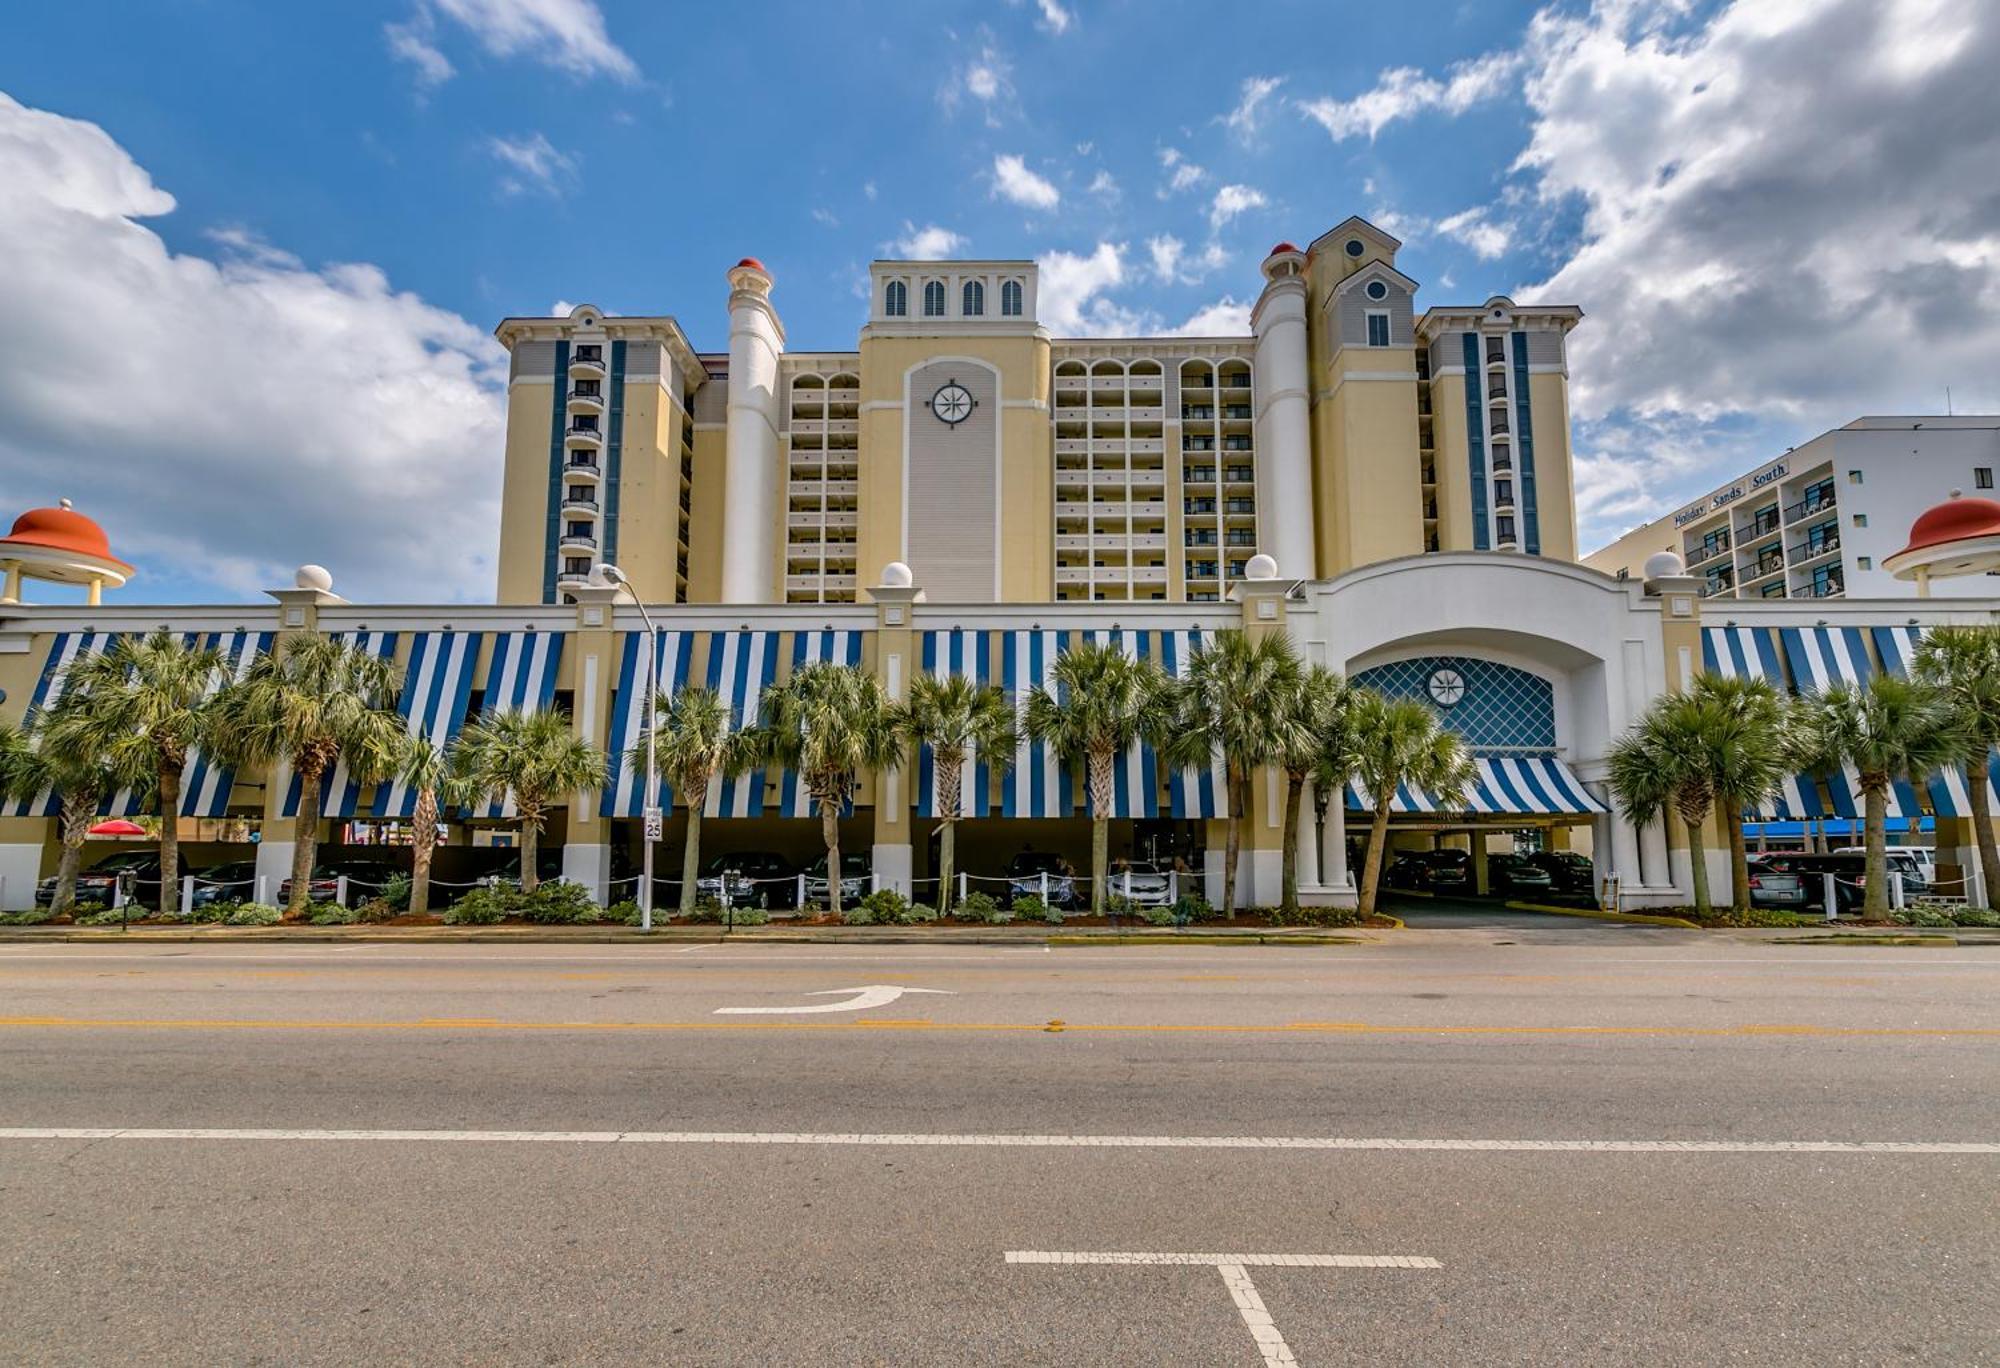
[[874, 995], [1009, 1141], [1235, 1271]]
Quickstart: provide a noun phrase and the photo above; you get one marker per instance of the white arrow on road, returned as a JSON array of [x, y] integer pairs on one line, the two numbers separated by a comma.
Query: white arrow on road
[[874, 995]]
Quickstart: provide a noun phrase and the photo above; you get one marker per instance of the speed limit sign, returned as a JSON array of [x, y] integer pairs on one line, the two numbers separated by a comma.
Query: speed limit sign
[[656, 821]]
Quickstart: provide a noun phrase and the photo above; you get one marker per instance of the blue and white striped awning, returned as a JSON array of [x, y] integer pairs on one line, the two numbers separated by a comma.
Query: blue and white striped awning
[[1949, 797], [1196, 791], [1136, 785], [812, 648], [64, 650], [624, 791], [339, 792], [1755, 653], [521, 678], [1821, 657], [956, 654], [437, 682], [1038, 784], [205, 784], [1506, 786], [741, 665]]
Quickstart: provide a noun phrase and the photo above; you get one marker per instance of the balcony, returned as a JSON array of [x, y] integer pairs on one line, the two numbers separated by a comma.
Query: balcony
[[1198, 506], [587, 363], [580, 508], [1497, 391], [1236, 412], [832, 517], [1764, 566], [573, 579], [1240, 474], [582, 473], [1706, 551], [1497, 424], [579, 542], [1817, 500], [586, 401], [587, 437], [1810, 550], [1829, 586]]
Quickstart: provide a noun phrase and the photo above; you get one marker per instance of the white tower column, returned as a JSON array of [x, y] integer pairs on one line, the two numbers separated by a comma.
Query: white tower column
[[1284, 427], [752, 486]]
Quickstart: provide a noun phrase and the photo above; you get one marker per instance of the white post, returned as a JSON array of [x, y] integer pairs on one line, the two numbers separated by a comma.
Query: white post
[[802, 891], [1896, 896], [1045, 888], [1174, 887], [874, 881], [1128, 890], [340, 891], [1831, 894], [961, 885], [117, 893], [263, 884], [187, 895]]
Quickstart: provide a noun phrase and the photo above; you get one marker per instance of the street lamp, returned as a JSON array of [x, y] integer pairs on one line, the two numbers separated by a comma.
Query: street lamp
[[653, 816]]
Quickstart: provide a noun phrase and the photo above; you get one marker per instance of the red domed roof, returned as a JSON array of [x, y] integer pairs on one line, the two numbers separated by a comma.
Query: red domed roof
[[1282, 247], [1956, 519], [751, 263], [61, 529]]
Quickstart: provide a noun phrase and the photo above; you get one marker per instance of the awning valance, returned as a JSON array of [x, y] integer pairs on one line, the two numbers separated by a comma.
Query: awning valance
[[1525, 785]]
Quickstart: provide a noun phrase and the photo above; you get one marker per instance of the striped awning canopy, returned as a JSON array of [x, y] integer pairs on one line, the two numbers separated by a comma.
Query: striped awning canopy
[[1506, 786], [339, 791], [811, 648], [521, 678]]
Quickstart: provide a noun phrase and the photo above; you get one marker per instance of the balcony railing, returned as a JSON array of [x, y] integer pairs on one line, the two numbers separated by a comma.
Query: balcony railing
[[1706, 551], [579, 506], [1812, 503], [589, 435], [1809, 549]]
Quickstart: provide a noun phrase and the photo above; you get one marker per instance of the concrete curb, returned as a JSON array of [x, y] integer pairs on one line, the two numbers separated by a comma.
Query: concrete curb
[[554, 935], [1598, 914]]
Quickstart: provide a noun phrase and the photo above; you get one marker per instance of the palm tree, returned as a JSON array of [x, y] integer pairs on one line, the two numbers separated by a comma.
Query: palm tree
[[951, 714], [538, 757], [426, 769], [1963, 663], [150, 702], [1396, 742], [1753, 745], [831, 723], [311, 702], [1667, 762], [1097, 703], [1225, 703], [695, 746], [1888, 729], [65, 751], [1314, 718]]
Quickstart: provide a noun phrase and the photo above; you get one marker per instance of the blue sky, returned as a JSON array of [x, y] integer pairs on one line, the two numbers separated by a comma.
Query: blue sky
[[301, 222]]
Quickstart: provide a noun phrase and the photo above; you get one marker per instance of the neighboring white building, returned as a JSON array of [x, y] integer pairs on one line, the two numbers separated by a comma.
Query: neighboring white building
[[1819, 521]]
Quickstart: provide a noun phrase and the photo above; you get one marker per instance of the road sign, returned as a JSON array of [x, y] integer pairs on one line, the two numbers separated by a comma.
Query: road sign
[[656, 821]]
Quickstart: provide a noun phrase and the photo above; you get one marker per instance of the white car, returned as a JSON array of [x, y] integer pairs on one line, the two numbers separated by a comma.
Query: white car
[[1150, 885]]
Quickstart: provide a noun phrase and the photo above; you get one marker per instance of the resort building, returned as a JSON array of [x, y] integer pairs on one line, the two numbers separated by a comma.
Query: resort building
[[1819, 521], [964, 494]]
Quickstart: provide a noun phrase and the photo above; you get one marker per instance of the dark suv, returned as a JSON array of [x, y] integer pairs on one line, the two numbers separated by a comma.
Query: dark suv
[[754, 878], [365, 879], [1567, 870], [96, 884], [1517, 874]]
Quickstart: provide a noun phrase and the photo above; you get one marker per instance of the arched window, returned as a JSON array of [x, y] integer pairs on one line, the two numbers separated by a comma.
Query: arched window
[[933, 299], [1010, 299], [896, 299], [975, 299]]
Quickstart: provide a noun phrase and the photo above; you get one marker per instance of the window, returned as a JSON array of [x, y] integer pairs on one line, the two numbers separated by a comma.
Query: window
[[1861, 520], [1355, 247], [1378, 330], [1503, 527], [1377, 290], [590, 351], [1854, 477], [576, 529], [1864, 562], [1010, 299], [1775, 589], [1503, 491], [933, 299], [896, 300], [576, 565], [1982, 477], [975, 299]]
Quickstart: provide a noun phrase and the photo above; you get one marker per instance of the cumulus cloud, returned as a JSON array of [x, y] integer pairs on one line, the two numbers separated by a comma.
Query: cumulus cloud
[[987, 79], [1172, 264], [1248, 116], [1230, 201], [532, 164], [1486, 238], [1055, 18], [569, 35], [928, 243], [1226, 317], [412, 43], [1104, 186], [1073, 295], [1012, 180], [266, 413], [1405, 92], [1182, 174]]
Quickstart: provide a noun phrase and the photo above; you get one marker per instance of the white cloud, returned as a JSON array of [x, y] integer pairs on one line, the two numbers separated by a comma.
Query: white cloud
[[566, 34], [1226, 317], [562, 308], [1486, 238], [929, 243], [1013, 180], [1788, 219], [267, 414], [1182, 174], [1055, 18], [1404, 92], [826, 218], [1104, 186], [412, 43], [1173, 266], [532, 163], [988, 78], [1072, 296], [1232, 200], [1245, 119]]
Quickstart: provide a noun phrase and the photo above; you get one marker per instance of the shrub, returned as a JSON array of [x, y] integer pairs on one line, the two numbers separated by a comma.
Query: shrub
[[1156, 916], [711, 910], [883, 907], [333, 914], [980, 907], [481, 907], [1030, 907], [1315, 916], [396, 893], [254, 914], [626, 913], [97, 914], [34, 916], [559, 903], [380, 910], [1976, 916], [214, 912], [1192, 907]]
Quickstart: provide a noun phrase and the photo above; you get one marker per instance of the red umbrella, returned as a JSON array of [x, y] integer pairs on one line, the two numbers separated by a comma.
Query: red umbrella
[[117, 826]]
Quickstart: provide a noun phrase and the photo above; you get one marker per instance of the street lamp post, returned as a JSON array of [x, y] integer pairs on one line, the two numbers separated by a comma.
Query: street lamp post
[[651, 814]]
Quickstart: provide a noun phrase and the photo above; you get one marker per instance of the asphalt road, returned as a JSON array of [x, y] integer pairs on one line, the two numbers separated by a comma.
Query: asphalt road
[[615, 1170]]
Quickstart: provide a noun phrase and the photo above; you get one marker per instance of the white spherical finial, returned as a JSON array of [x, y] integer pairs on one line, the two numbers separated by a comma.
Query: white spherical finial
[[1261, 567], [1665, 565], [65, 503], [313, 577], [896, 575]]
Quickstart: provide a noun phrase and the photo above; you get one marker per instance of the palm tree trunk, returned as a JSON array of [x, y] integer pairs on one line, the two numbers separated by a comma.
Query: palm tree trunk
[[423, 822], [1875, 823], [1698, 866], [947, 862], [1739, 856], [305, 835], [1233, 846], [691, 849], [1378, 837], [77, 812], [1295, 788], [1103, 782], [1100, 856], [829, 829], [170, 837], [1982, 829], [531, 845], [950, 764]]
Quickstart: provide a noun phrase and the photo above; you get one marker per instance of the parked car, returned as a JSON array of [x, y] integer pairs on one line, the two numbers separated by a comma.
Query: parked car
[[1024, 878], [226, 883], [1517, 874], [1450, 870], [365, 877], [1407, 869], [97, 883], [753, 878], [1568, 871], [1773, 885], [1849, 871], [856, 867], [1912, 862], [1147, 885]]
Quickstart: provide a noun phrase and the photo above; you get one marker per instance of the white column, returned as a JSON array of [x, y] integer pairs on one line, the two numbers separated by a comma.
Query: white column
[[895, 866], [1308, 840], [590, 865], [1284, 429], [752, 479], [1333, 847], [274, 863], [1653, 856], [20, 871]]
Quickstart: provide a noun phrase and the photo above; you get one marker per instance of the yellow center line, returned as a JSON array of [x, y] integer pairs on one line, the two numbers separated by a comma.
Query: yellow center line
[[1192, 1028]]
